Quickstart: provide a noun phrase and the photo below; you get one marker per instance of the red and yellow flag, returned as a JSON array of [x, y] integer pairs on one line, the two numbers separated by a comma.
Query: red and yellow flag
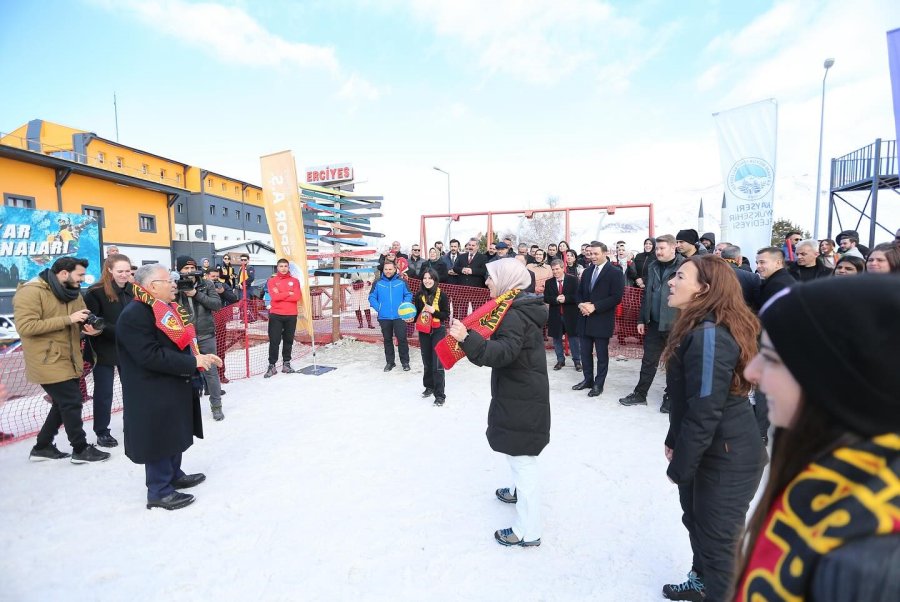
[[282, 200]]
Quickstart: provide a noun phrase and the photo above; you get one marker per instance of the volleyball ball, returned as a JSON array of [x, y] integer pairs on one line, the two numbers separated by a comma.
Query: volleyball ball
[[407, 311]]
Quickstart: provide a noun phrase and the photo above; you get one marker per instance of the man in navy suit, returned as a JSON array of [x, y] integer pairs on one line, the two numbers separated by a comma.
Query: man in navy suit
[[599, 292]]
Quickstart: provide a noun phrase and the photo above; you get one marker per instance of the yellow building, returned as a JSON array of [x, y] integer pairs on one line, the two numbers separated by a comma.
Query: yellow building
[[149, 206]]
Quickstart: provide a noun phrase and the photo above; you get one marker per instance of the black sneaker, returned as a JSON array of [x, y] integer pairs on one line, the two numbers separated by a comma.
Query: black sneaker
[[634, 399], [692, 589], [428, 392], [388, 367], [286, 368], [106, 440], [173, 501], [47, 453], [89, 454], [439, 401], [272, 371], [406, 368], [666, 404]]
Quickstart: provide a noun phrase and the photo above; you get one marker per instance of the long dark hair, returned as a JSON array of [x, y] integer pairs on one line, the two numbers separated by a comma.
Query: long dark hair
[[428, 294], [725, 301], [813, 435], [106, 278]]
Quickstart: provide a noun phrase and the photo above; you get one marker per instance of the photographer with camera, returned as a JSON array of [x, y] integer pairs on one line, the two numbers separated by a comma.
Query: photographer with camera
[[50, 315], [106, 300], [201, 299], [222, 317]]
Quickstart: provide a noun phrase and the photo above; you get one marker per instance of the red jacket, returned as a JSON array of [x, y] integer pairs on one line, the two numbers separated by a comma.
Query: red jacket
[[284, 291]]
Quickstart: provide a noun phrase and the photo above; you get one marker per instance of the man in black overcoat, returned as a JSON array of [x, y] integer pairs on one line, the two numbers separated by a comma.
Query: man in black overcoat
[[599, 292], [563, 313], [161, 404]]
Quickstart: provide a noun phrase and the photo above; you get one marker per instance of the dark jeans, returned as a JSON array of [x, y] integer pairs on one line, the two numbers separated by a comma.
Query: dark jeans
[[281, 330], [714, 509], [433, 377], [65, 409], [160, 475], [574, 347], [601, 346], [389, 330], [104, 377], [654, 344]]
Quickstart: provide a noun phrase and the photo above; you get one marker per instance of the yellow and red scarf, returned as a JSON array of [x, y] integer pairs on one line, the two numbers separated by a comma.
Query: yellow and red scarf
[[426, 320], [172, 319], [852, 493], [483, 320]]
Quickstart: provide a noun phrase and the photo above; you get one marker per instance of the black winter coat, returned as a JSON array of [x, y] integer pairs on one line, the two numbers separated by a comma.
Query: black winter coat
[[519, 416], [750, 286], [708, 425], [605, 295], [443, 303], [656, 281], [569, 315], [104, 344], [201, 307], [774, 283], [161, 409], [438, 266]]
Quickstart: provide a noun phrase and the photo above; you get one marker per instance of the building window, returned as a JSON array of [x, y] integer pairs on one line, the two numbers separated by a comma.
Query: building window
[[237, 215], [120, 162], [224, 211], [178, 178], [17, 200], [213, 237], [258, 197], [96, 213], [146, 223], [258, 219], [101, 158], [180, 207], [145, 169], [226, 238], [237, 190], [212, 209], [247, 217], [162, 174], [223, 186]]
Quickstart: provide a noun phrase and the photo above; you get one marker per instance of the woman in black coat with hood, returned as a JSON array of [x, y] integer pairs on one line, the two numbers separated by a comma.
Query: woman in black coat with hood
[[519, 415], [106, 300], [642, 259]]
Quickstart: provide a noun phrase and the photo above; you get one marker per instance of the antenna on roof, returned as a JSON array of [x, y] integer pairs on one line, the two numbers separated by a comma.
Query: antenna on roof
[[116, 111]]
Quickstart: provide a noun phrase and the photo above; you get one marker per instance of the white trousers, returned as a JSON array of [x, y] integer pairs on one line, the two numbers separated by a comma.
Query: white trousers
[[526, 484]]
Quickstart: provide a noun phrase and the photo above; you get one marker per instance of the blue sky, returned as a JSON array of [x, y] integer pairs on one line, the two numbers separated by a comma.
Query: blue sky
[[593, 102]]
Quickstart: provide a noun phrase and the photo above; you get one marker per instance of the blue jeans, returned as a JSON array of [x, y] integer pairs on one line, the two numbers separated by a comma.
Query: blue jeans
[[574, 347]]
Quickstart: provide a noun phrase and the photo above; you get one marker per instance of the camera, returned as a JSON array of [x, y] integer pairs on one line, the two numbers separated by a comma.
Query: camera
[[96, 322], [188, 281]]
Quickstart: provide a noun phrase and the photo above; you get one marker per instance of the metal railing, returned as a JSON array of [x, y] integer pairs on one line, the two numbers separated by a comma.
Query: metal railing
[[860, 165]]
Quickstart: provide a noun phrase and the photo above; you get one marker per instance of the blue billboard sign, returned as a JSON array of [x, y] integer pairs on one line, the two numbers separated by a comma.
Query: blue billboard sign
[[31, 240]]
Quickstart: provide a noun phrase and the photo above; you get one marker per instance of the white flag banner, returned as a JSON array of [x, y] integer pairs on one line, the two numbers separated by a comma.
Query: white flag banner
[[747, 139]]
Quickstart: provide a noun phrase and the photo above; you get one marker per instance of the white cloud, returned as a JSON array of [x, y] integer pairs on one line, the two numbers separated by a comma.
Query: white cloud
[[539, 41], [231, 35]]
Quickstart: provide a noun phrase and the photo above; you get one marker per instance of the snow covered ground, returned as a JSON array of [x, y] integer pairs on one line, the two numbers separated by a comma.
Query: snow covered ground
[[350, 486]]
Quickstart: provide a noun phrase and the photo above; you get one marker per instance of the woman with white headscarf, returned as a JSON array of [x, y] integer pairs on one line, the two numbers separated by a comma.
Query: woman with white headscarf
[[519, 416]]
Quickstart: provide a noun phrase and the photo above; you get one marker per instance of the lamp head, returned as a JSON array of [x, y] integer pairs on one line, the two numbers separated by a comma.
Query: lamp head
[[829, 63]]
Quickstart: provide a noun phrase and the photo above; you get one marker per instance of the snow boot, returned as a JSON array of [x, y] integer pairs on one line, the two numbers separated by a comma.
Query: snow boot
[[271, 371], [286, 368], [692, 589]]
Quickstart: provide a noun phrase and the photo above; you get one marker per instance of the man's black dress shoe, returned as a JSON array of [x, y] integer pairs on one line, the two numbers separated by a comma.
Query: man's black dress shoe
[[582, 385], [595, 391], [559, 365], [173, 501], [189, 480]]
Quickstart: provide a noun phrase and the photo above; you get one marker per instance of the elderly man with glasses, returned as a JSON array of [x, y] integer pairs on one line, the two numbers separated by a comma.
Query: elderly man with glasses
[[159, 363]]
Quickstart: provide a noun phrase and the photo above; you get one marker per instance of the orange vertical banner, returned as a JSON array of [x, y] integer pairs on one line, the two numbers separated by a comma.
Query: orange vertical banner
[[282, 201]]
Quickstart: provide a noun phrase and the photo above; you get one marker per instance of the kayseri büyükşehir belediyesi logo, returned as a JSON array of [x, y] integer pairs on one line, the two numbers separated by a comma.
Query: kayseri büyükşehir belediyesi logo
[[750, 178]]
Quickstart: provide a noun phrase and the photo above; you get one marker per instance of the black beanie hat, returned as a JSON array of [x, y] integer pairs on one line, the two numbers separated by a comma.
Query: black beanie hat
[[184, 260], [844, 359], [690, 236]]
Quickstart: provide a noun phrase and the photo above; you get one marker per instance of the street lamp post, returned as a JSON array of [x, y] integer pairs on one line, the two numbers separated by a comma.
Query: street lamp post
[[449, 218], [828, 64]]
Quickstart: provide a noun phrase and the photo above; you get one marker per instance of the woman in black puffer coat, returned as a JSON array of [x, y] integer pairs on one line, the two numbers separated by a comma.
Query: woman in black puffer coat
[[519, 414]]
